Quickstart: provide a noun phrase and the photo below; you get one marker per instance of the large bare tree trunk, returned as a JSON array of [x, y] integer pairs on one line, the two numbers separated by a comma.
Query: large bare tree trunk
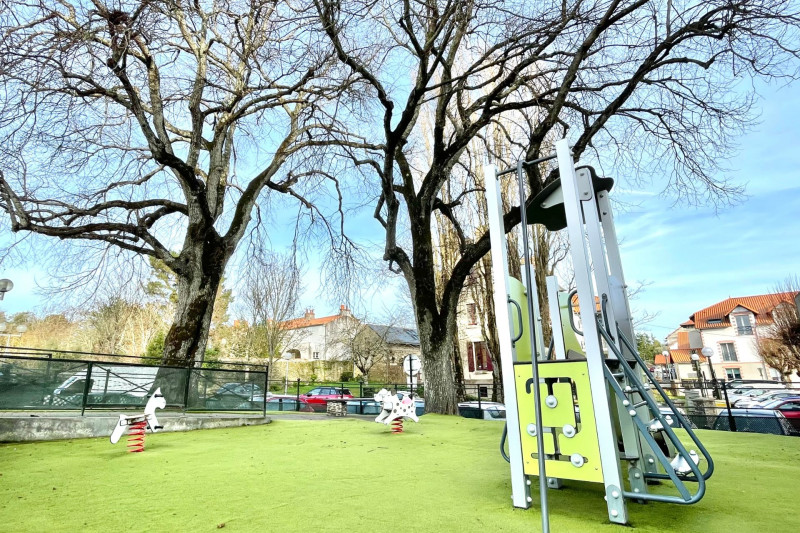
[[438, 367], [202, 263]]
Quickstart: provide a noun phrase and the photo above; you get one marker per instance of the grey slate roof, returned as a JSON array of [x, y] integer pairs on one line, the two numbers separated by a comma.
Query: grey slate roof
[[395, 335]]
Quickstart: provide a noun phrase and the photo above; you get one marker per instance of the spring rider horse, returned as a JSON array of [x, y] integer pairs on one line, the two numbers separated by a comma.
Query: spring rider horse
[[139, 423], [394, 410]]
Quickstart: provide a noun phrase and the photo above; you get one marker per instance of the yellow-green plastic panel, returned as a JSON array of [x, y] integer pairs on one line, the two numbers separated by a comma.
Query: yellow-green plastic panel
[[570, 338], [585, 440], [523, 346]]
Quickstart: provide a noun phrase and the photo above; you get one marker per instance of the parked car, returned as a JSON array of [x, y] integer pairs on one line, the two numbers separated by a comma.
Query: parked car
[[318, 397], [486, 410], [767, 419], [759, 401], [789, 408], [285, 402], [237, 396], [107, 384], [745, 393]]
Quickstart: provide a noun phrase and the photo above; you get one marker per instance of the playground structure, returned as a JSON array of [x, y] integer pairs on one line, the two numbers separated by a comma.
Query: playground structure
[[596, 409], [137, 424], [394, 410]]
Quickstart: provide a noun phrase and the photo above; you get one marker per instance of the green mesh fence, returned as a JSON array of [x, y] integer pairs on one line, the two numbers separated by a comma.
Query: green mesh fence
[[33, 383], [41, 380]]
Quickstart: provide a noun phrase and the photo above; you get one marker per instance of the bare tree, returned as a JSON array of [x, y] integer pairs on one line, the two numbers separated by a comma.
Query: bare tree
[[780, 346], [270, 296], [139, 127], [647, 84]]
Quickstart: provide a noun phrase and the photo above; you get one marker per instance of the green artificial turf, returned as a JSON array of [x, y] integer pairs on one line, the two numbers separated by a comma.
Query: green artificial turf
[[352, 475]]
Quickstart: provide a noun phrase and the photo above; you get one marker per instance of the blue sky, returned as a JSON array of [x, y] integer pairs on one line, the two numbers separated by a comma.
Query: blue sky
[[695, 257], [691, 257]]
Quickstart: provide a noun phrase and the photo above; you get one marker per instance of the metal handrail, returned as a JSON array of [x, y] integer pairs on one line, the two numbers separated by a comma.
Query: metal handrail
[[681, 419], [686, 497]]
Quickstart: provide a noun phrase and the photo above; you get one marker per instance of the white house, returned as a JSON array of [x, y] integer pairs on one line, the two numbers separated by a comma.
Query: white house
[[476, 360], [731, 328], [319, 339]]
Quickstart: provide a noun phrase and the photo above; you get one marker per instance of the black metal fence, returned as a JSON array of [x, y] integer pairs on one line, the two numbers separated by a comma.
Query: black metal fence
[[731, 406], [34, 380]]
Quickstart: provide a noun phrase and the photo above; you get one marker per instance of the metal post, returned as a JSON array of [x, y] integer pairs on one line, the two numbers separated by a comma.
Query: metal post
[[714, 377], [520, 490], [731, 420], [186, 389], [297, 396], [575, 195], [87, 385], [534, 351], [266, 389]]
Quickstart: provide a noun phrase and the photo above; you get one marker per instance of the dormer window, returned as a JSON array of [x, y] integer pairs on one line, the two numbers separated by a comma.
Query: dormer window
[[743, 326], [715, 321]]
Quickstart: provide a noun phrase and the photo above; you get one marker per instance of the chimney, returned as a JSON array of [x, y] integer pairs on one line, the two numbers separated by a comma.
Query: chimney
[[344, 311], [309, 314]]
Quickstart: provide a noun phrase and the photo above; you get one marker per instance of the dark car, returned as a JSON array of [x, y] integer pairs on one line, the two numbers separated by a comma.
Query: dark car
[[318, 397], [237, 396], [780, 417]]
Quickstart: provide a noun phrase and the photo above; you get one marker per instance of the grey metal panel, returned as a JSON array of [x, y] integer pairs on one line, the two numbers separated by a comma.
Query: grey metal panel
[[520, 491], [573, 199]]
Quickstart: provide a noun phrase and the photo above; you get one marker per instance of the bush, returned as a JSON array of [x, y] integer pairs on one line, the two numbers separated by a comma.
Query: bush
[[346, 377]]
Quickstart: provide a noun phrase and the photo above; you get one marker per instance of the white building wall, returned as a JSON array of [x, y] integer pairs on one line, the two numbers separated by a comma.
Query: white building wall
[[749, 364]]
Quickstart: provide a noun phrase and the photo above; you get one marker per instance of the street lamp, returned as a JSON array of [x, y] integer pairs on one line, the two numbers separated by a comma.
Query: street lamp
[[708, 353], [668, 360], [696, 364], [5, 286], [286, 358], [22, 328]]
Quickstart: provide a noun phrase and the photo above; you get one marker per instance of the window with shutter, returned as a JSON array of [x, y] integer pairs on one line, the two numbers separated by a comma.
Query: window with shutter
[[472, 314], [470, 357]]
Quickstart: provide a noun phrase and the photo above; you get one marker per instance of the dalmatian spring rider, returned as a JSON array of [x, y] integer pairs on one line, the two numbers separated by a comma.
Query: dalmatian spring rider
[[394, 410], [139, 423]]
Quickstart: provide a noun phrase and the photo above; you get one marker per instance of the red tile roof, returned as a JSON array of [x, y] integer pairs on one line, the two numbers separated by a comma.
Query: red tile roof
[[309, 320], [298, 323], [677, 355], [761, 305]]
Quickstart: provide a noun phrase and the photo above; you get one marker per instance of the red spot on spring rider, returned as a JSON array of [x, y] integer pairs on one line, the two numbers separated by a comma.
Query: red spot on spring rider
[[136, 436]]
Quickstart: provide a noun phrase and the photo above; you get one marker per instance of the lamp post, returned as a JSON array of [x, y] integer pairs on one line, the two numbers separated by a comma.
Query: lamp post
[[286, 358], [708, 353], [696, 364], [668, 364], [22, 328], [5, 286]]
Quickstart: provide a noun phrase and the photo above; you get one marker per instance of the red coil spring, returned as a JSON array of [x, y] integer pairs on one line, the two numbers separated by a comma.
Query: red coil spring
[[397, 425], [136, 436]]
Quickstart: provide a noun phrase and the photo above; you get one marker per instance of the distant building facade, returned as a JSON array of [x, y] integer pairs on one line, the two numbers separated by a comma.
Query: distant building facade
[[318, 339], [731, 328]]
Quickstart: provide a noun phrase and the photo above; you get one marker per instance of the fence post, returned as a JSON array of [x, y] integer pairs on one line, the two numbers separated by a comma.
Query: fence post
[[186, 389], [480, 407], [87, 385], [297, 397], [47, 384], [361, 390], [731, 420], [266, 388]]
